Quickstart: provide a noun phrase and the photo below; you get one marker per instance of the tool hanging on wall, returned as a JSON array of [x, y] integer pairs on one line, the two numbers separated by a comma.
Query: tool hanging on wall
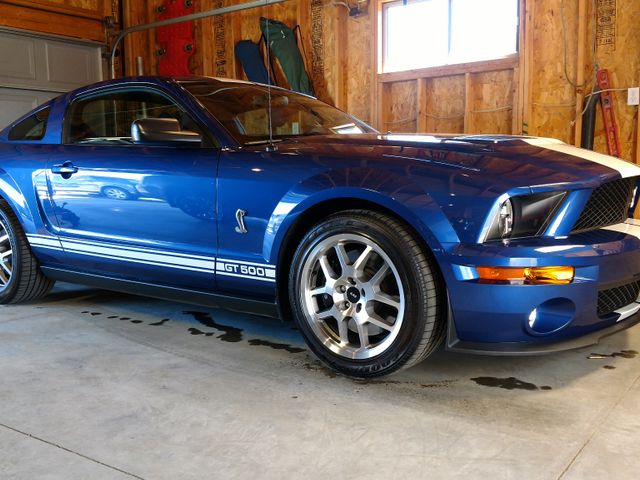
[[250, 58], [283, 44], [589, 119], [608, 114], [176, 43]]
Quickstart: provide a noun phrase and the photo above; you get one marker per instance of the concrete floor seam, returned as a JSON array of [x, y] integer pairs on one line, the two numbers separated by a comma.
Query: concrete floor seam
[[29, 435], [597, 427]]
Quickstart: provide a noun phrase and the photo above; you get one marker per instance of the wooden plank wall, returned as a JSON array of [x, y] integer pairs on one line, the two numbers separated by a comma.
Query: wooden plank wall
[[528, 94], [81, 19], [216, 37]]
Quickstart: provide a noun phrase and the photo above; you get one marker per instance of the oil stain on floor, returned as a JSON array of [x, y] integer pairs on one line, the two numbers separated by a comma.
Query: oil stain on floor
[[620, 354], [229, 333], [226, 333], [509, 383]]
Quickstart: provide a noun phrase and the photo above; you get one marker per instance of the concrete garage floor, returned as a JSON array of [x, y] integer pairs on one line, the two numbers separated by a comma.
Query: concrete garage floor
[[109, 386]]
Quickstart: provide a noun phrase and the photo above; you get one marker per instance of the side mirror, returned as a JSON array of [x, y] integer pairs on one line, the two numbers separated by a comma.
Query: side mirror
[[161, 131]]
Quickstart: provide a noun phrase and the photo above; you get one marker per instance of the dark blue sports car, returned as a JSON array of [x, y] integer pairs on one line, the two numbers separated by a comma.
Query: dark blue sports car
[[262, 200]]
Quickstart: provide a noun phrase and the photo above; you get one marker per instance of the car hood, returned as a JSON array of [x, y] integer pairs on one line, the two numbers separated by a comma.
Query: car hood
[[501, 162], [464, 176]]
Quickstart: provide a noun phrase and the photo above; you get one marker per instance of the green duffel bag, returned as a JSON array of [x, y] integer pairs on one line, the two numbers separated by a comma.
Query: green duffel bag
[[283, 45]]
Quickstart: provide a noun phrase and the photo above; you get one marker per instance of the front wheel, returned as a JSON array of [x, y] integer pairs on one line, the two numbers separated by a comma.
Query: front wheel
[[365, 295]]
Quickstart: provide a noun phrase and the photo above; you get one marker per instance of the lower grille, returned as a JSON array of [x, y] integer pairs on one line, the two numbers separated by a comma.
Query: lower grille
[[612, 299], [608, 204]]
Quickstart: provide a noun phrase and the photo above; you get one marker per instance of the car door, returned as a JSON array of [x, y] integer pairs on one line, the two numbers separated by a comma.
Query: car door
[[143, 212]]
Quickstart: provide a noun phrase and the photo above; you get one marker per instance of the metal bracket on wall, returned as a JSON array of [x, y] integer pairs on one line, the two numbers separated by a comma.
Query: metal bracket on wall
[[185, 18]]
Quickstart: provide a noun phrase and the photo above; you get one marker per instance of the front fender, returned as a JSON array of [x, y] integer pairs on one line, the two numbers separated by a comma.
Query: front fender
[[391, 191]]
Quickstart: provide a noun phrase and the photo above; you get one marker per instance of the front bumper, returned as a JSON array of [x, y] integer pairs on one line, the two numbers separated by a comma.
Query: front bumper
[[454, 343], [533, 319]]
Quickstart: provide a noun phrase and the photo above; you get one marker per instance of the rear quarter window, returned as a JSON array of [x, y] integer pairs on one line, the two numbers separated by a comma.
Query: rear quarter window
[[32, 127]]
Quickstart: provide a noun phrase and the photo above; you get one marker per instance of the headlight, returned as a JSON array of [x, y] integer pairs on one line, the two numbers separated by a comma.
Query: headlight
[[524, 216]]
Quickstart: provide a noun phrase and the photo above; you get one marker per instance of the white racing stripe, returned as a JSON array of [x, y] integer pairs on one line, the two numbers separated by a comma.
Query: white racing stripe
[[141, 261], [159, 258], [626, 169], [630, 227], [139, 249], [44, 241]]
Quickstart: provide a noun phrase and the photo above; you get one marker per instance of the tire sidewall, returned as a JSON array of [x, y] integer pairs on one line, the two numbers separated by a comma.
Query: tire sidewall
[[413, 325], [9, 291]]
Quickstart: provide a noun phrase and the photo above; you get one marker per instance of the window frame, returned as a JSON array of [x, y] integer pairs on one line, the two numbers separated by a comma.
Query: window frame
[[208, 140], [382, 44], [28, 117]]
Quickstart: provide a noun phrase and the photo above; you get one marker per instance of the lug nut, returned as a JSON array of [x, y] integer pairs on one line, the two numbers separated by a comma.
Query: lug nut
[[342, 289], [347, 305]]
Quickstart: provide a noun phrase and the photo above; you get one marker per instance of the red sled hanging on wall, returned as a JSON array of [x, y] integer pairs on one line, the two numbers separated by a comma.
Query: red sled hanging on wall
[[176, 43]]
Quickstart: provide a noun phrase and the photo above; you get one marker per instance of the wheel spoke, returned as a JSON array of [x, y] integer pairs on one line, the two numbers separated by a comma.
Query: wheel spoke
[[361, 261], [343, 258], [6, 257], [363, 334], [332, 312], [343, 331], [374, 319], [326, 268], [324, 290], [377, 278], [387, 300], [6, 266]]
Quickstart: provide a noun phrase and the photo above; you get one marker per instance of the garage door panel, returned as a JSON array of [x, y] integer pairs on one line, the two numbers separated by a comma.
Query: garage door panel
[[16, 103], [71, 65], [17, 57], [35, 68], [27, 61]]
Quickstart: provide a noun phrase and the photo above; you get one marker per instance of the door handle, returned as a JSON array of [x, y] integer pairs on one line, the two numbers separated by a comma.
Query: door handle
[[65, 169]]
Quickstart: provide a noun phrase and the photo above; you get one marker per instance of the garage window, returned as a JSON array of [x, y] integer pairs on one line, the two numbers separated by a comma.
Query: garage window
[[32, 127], [431, 33]]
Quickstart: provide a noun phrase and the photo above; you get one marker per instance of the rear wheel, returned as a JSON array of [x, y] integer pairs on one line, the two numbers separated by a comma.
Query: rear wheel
[[366, 297], [20, 276]]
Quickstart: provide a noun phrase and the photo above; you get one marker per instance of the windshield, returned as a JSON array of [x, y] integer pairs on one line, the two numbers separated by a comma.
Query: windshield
[[243, 110]]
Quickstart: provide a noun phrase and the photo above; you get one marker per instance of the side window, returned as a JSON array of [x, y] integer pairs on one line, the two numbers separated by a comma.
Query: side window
[[31, 128], [107, 119]]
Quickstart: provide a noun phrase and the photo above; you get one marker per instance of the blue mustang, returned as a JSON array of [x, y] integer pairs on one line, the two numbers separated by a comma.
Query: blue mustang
[[262, 200]]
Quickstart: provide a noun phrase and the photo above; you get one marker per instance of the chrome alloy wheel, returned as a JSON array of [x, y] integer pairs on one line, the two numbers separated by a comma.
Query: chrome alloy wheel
[[6, 256], [353, 297]]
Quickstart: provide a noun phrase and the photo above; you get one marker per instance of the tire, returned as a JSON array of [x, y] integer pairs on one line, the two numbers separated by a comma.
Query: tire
[[21, 279], [365, 295]]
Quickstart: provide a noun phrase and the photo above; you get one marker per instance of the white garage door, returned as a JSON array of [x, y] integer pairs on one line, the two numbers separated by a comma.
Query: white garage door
[[35, 68]]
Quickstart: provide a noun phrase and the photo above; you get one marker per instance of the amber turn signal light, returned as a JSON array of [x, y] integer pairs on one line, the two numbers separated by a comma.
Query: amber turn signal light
[[527, 275]]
